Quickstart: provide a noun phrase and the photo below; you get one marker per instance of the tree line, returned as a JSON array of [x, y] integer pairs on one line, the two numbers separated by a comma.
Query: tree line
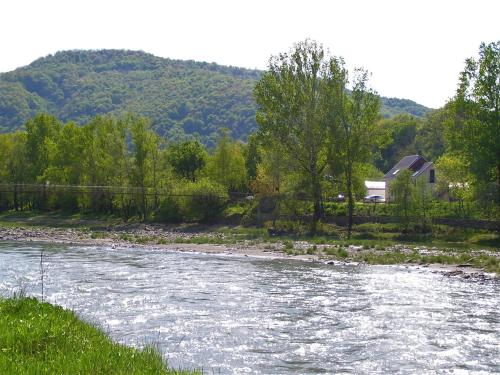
[[320, 132], [115, 152]]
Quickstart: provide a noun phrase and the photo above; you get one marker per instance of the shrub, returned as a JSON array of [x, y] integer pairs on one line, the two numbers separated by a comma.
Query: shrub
[[202, 200], [169, 210], [288, 245], [335, 209], [342, 253], [312, 250]]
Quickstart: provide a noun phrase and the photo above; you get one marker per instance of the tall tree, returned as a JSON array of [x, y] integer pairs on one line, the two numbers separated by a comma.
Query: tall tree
[[429, 138], [41, 135], [290, 110], [352, 119], [475, 131], [104, 159], [146, 144], [42, 132]]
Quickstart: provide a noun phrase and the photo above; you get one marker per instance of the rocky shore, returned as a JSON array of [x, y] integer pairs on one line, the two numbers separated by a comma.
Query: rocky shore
[[179, 238]]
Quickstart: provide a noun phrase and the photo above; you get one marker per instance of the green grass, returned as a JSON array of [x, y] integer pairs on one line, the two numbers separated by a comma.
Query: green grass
[[39, 338], [98, 235], [486, 262], [57, 219]]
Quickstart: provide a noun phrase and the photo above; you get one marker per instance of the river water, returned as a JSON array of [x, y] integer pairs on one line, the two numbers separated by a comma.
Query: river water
[[236, 315]]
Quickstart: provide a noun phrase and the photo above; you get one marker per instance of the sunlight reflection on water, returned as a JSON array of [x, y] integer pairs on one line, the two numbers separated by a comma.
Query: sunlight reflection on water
[[240, 315]]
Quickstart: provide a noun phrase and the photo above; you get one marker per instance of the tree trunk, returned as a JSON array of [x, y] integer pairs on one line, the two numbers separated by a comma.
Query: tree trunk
[[144, 204], [350, 201], [16, 203], [498, 183], [318, 206]]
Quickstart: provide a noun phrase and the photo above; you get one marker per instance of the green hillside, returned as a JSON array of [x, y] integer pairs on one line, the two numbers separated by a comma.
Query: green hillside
[[180, 97]]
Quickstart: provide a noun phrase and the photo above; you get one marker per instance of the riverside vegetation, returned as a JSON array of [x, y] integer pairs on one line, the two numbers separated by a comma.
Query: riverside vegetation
[[38, 338], [319, 132]]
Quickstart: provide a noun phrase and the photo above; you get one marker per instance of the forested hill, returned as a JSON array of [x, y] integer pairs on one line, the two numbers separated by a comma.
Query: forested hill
[[180, 97]]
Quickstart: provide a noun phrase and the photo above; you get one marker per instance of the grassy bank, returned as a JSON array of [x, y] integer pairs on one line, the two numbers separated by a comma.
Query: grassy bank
[[38, 338]]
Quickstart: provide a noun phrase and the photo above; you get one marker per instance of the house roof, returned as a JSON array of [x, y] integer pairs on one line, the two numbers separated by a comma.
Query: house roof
[[412, 162], [424, 167], [375, 184]]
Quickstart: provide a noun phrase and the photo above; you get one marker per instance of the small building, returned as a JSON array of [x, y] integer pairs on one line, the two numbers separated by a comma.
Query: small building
[[421, 170], [375, 188]]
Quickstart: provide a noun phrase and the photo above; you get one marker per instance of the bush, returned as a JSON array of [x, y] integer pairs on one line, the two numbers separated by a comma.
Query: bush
[[169, 210], [312, 250], [335, 209], [342, 253], [202, 200], [286, 227], [288, 245]]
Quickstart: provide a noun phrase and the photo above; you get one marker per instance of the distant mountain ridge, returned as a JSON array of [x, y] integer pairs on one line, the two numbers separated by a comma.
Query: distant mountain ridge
[[180, 97]]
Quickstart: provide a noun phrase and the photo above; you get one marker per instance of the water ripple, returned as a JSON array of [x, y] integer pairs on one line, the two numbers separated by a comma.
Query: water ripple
[[235, 315]]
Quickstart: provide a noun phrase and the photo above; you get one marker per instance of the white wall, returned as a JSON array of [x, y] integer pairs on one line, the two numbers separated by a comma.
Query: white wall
[[376, 192]]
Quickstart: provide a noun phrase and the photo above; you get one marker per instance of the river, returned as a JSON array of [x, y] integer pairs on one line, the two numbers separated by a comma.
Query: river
[[237, 315]]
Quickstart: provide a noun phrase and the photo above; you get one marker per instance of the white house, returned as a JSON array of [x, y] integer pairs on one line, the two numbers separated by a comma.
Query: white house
[[421, 170]]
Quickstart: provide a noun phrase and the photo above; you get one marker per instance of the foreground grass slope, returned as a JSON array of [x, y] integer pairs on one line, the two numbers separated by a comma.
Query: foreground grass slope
[[38, 338]]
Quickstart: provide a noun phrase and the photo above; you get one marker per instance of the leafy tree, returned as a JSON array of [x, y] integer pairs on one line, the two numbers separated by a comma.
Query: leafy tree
[[105, 161], [423, 199], [14, 164], [186, 158], [402, 191], [455, 179], [291, 111], [144, 174], [270, 172], [429, 138], [227, 165], [252, 156], [65, 165], [352, 119], [42, 132], [475, 131]]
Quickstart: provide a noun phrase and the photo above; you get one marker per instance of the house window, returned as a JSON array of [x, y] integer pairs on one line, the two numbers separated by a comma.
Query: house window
[[432, 176]]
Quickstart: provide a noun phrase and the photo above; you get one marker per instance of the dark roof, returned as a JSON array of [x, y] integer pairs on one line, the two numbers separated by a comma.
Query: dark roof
[[422, 169], [412, 162]]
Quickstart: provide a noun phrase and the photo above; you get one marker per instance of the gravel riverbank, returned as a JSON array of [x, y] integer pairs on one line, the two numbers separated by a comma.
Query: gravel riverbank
[[179, 238]]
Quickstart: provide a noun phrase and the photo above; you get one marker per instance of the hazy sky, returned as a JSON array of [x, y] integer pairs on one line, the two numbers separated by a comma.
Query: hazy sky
[[414, 49]]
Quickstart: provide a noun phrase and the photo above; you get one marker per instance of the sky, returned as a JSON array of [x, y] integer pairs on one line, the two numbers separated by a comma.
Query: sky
[[413, 49]]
